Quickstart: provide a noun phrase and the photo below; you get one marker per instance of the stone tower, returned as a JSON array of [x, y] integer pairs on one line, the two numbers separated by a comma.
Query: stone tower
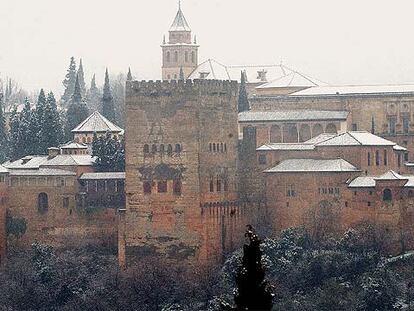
[[181, 50]]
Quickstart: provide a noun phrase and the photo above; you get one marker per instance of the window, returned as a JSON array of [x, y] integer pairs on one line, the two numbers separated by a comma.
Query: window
[[225, 147], [369, 158], [218, 185], [262, 159], [214, 147], [146, 148], [226, 185], [176, 56], [290, 192], [2, 178], [65, 202], [406, 124], [162, 186], [192, 57], [177, 148], [387, 195], [154, 148], [186, 56], [211, 185], [168, 57], [346, 204], [391, 123], [354, 127], [210, 147], [221, 147], [369, 203], [177, 187], [169, 149], [377, 158], [385, 158], [84, 140], [147, 187], [42, 203]]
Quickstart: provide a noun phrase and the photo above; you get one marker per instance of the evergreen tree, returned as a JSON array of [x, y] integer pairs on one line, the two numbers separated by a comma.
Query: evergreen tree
[[81, 77], [94, 96], [52, 131], [109, 152], [253, 292], [182, 78], [108, 109], [4, 142], [28, 136], [77, 111], [15, 146], [38, 127], [243, 104], [69, 82], [129, 75]]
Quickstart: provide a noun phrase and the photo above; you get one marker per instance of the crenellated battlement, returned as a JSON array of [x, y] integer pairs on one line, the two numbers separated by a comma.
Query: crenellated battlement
[[181, 87]]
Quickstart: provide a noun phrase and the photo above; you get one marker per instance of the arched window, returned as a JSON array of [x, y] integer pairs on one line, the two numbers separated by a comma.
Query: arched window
[[331, 128], [317, 129], [221, 147], [214, 147], [387, 195], [211, 185], [177, 148], [218, 184], [162, 186], [162, 148], [146, 148], [225, 147], [193, 57], [169, 149], [369, 159], [89, 140], [147, 187], [377, 158], [42, 203], [176, 56], [168, 57], [275, 134], [84, 140], [186, 56], [210, 147], [154, 148], [226, 185], [385, 158], [177, 187]]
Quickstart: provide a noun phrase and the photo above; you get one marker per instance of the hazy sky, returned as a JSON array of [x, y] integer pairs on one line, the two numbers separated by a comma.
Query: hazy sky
[[340, 42]]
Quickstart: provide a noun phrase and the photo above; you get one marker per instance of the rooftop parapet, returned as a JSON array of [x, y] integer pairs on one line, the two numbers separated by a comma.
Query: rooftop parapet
[[181, 87]]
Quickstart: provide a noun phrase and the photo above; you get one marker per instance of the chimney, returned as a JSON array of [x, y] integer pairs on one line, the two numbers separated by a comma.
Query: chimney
[[53, 152]]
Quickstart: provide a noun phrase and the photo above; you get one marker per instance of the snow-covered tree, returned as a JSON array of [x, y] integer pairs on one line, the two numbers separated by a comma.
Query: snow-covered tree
[[81, 77], [94, 96], [69, 82], [52, 130], [110, 153], [129, 75], [15, 147], [118, 94], [77, 111], [243, 104], [4, 142], [107, 100], [28, 134]]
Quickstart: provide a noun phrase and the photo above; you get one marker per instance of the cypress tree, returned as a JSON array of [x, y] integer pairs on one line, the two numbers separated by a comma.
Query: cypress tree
[[243, 103], [253, 292], [94, 96], [38, 123], [4, 142], [81, 77], [15, 146], [28, 136], [77, 111], [69, 82], [181, 74], [108, 109], [129, 75], [52, 131]]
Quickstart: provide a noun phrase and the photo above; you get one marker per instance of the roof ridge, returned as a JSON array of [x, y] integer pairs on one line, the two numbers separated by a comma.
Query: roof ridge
[[349, 133]]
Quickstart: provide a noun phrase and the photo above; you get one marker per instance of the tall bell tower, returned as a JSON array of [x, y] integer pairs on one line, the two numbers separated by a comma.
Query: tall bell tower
[[181, 50]]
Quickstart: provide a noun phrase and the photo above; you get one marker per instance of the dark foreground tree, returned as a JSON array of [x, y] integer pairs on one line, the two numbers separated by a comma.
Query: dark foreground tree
[[108, 109], [109, 153], [77, 111], [243, 104], [253, 291]]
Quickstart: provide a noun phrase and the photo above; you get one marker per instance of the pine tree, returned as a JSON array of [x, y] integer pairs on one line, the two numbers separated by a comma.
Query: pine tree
[[109, 152], [243, 103], [28, 131], [108, 109], [129, 75], [69, 82], [253, 292], [182, 74], [81, 77], [4, 142], [37, 127], [94, 96], [77, 111], [52, 131], [15, 146]]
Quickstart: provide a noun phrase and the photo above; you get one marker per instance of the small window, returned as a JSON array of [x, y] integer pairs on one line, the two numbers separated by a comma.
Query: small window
[[211, 185], [162, 186], [210, 147], [84, 140], [162, 148], [154, 148], [176, 56], [218, 185], [226, 185], [65, 202], [369, 203], [406, 124], [369, 159], [387, 195], [186, 56], [354, 127], [42, 203], [225, 147], [177, 187], [214, 147], [346, 204], [291, 191], [169, 149], [262, 159], [147, 187], [177, 148], [385, 158], [377, 158], [168, 57], [146, 148]]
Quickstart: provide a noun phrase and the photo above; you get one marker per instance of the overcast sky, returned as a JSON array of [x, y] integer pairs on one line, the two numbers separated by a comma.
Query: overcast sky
[[340, 42]]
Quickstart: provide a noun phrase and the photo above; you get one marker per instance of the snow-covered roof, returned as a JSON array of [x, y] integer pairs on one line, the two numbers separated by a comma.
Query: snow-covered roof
[[293, 79], [356, 138], [27, 162], [96, 123], [73, 145], [3, 170], [180, 23], [42, 172], [313, 165], [38, 161], [320, 138], [103, 175], [370, 181], [286, 146], [329, 90], [399, 148], [292, 115]]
